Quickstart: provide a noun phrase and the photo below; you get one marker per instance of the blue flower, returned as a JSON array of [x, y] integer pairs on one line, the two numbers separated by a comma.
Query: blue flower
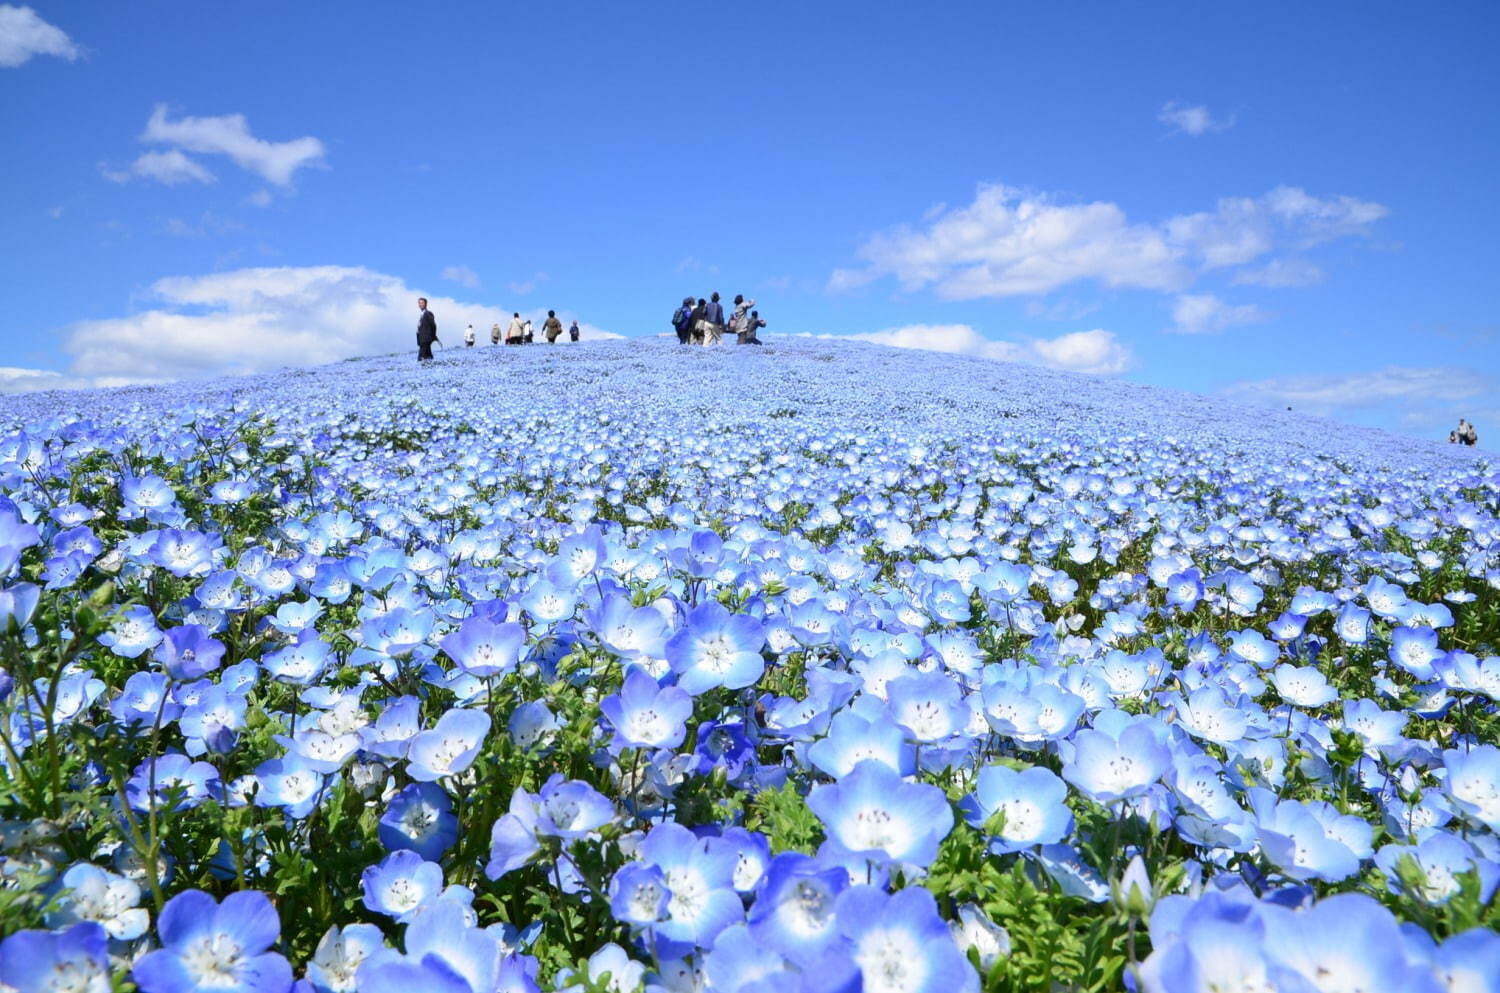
[[401, 884], [794, 912], [717, 648], [90, 893], [134, 633], [484, 648], [900, 943], [699, 874], [1111, 767], [1029, 802], [873, 809], [74, 959], [220, 946], [448, 748], [645, 715], [638, 895], [420, 818], [187, 652]]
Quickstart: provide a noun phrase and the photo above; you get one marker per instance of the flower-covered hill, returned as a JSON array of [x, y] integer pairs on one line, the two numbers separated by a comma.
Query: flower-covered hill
[[820, 667]]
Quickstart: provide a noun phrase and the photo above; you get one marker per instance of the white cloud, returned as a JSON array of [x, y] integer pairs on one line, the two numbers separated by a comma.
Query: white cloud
[[522, 287], [24, 34], [1425, 397], [1204, 313], [1011, 243], [462, 275], [170, 167], [1191, 119], [15, 380], [259, 319], [1097, 352], [260, 198], [1279, 273], [276, 162]]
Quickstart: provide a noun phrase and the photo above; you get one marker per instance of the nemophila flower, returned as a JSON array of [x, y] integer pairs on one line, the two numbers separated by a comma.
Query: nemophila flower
[[900, 943], [1378, 728], [398, 631], [627, 630], [873, 809], [928, 704], [171, 781], [1072, 874], [300, 663], [290, 783], [394, 729], [339, 954], [1352, 624], [483, 648], [1114, 767], [973, 931], [73, 960], [1255, 648], [638, 894], [210, 723], [187, 652], [184, 553], [90, 893], [220, 946], [609, 970], [532, 725], [320, 751], [1429, 870], [17, 604], [1344, 942], [699, 874], [724, 745], [852, 739], [1310, 840], [1466, 672], [1208, 714], [1018, 809], [133, 633], [1472, 781], [1387, 600], [448, 748], [145, 496], [571, 809], [1303, 686], [793, 913], [293, 616], [549, 603], [716, 648], [1415, 650], [644, 714], [400, 884], [513, 837], [145, 700]]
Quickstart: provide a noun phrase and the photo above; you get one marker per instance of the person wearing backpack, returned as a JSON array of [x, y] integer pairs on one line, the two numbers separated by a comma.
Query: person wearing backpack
[[552, 328], [682, 321], [573, 333], [516, 333]]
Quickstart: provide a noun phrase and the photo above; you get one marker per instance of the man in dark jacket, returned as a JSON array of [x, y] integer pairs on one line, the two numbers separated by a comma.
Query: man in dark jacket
[[426, 331], [682, 321], [713, 316]]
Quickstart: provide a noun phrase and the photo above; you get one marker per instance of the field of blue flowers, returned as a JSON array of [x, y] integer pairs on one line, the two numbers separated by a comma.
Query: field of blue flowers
[[814, 668]]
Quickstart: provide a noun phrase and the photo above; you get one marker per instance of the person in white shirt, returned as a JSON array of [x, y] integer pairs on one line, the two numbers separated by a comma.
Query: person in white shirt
[[469, 336]]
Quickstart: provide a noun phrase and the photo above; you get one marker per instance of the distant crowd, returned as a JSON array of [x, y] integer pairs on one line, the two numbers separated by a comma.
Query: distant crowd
[[1464, 434], [700, 323]]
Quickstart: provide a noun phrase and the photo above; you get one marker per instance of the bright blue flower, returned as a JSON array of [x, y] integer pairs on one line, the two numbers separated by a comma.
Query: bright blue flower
[[134, 633], [401, 884], [638, 895], [873, 809], [1030, 803], [187, 652], [219, 946], [291, 783], [420, 818], [1471, 782], [145, 696], [90, 893], [928, 704], [1111, 768], [717, 648], [75, 960], [794, 912], [484, 648], [645, 715], [852, 739], [339, 955], [448, 748], [699, 874], [900, 943], [179, 783]]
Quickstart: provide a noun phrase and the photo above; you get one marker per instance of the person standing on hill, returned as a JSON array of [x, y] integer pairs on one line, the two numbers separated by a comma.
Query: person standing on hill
[[682, 321], [573, 333], [469, 336], [552, 327], [696, 321], [494, 334], [753, 324], [713, 319], [516, 333], [426, 331], [740, 321]]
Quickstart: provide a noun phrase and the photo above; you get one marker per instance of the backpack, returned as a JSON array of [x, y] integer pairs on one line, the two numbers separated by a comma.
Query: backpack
[[680, 318]]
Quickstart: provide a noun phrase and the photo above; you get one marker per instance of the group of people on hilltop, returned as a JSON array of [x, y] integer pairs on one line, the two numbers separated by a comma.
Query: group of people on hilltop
[[1464, 434], [518, 333], [703, 323]]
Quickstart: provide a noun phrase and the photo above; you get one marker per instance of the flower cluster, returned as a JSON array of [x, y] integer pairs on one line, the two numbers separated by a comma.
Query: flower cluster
[[828, 668]]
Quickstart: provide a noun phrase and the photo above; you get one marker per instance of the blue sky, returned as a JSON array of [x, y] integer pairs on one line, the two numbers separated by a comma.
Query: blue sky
[[1294, 204]]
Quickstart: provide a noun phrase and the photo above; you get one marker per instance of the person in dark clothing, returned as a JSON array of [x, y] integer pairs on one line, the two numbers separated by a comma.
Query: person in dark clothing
[[695, 321], [552, 328], [713, 319], [426, 331], [682, 321], [573, 333], [752, 325]]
